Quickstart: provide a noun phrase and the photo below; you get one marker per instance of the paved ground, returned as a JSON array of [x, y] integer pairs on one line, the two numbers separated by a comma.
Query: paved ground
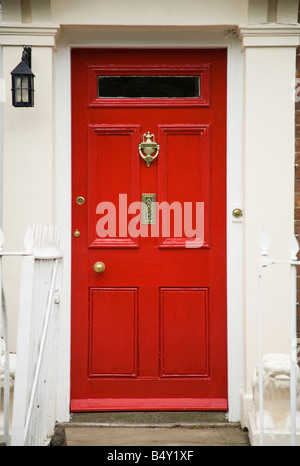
[[217, 435]]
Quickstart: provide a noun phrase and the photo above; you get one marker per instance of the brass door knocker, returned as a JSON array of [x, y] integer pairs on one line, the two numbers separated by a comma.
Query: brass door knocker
[[148, 147]]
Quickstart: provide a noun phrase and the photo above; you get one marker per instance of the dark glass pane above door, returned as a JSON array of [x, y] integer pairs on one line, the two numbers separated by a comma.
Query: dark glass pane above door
[[148, 86]]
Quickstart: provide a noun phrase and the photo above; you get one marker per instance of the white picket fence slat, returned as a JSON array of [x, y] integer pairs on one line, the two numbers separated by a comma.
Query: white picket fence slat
[[34, 400]]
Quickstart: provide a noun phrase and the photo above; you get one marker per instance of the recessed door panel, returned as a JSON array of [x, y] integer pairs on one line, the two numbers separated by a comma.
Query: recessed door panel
[[184, 325], [113, 318], [184, 185], [111, 174]]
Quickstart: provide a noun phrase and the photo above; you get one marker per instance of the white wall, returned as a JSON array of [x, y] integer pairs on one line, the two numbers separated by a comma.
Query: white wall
[[145, 13], [268, 186], [28, 146]]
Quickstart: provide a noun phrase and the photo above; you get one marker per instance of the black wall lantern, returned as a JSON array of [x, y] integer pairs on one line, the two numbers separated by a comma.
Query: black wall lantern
[[23, 82]]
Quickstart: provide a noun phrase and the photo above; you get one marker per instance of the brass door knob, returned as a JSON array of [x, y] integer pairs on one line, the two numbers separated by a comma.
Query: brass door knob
[[237, 213], [99, 267]]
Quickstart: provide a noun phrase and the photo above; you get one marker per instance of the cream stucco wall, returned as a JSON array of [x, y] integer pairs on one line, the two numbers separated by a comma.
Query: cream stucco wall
[[166, 12], [154, 13], [28, 164], [261, 68]]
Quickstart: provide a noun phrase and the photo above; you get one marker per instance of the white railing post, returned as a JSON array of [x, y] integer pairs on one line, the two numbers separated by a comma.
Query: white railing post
[[6, 374], [1, 304], [4, 325], [1, 324], [294, 249], [22, 388], [264, 244]]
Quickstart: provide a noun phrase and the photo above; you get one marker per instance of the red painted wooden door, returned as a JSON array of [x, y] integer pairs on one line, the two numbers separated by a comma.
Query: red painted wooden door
[[149, 332]]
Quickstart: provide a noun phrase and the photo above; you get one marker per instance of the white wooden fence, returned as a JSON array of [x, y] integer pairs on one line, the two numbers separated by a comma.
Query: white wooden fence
[[34, 400]]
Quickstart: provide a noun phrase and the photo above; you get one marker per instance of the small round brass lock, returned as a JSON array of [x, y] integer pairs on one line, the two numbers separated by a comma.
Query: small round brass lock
[[99, 267], [237, 213], [76, 233], [80, 200]]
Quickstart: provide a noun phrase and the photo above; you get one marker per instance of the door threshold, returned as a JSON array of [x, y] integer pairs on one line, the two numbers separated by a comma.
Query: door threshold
[[150, 419], [149, 404]]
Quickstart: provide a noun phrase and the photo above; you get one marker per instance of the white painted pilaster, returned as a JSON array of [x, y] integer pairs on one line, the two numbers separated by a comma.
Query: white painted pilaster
[[268, 180]]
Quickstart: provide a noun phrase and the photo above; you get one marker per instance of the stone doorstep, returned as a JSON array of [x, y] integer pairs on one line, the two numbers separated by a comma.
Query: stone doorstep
[[150, 418], [144, 420], [199, 420]]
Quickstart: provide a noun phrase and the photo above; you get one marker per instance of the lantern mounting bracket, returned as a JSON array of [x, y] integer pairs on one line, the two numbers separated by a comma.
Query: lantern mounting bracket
[[26, 55]]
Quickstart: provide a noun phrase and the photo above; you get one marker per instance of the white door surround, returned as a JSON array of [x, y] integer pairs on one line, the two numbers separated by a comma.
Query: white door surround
[[234, 174]]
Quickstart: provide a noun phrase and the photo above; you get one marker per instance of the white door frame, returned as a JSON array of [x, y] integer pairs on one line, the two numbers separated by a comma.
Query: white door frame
[[192, 39]]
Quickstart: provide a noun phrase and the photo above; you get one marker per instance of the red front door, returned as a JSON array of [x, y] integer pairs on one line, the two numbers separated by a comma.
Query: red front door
[[149, 230]]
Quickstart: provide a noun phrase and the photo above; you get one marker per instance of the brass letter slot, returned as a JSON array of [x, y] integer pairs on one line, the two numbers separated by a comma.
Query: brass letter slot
[[148, 209]]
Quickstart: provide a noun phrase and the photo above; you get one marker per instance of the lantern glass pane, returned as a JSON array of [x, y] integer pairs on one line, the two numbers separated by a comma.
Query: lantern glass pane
[[25, 93], [18, 95], [18, 82]]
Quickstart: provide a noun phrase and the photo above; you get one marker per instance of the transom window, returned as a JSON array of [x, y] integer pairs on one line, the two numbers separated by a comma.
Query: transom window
[[149, 87]]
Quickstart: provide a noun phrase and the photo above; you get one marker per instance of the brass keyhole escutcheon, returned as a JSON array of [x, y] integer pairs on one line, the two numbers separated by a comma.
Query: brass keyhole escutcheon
[[99, 267], [76, 233]]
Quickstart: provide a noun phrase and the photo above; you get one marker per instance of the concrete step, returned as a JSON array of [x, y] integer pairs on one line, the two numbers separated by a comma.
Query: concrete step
[[150, 429]]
